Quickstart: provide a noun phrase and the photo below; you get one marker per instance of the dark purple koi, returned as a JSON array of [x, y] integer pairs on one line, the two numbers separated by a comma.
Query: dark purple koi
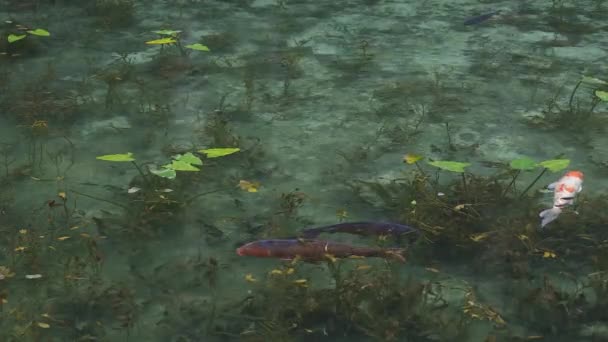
[[362, 228], [313, 250], [480, 18]]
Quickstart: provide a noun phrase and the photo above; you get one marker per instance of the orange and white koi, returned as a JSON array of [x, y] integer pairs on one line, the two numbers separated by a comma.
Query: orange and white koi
[[564, 191]]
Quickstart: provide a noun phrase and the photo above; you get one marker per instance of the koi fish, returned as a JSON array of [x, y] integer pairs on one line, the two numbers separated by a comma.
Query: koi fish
[[480, 18], [362, 228], [313, 250], [564, 191]]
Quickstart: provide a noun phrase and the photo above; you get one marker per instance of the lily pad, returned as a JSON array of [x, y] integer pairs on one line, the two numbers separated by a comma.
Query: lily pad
[[165, 173], [179, 165], [219, 152], [602, 95], [188, 158], [124, 157], [197, 47], [593, 81], [14, 37], [523, 164], [449, 165], [161, 41], [39, 32], [555, 165]]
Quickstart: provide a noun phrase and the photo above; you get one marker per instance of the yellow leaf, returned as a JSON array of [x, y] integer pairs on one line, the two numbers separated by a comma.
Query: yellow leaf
[[85, 235], [61, 238], [23, 231], [249, 277], [43, 325], [62, 195], [276, 272], [431, 269], [363, 267], [523, 237], [161, 41], [249, 186], [478, 237], [412, 158], [290, 271], [301, 282], [74, 228], [331, 257], [548, 254], [20, 249]]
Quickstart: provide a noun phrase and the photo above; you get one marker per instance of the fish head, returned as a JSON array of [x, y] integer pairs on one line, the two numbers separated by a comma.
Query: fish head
[[575, 174]]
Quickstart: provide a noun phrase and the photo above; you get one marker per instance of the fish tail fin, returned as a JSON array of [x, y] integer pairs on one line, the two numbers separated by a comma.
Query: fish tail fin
[[396, 254], [549, 215]]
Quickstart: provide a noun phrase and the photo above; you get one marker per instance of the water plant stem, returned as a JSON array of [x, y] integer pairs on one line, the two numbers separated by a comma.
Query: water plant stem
[[141, 172], [533, 182], [100, 199], [464, 184], [504, 193]]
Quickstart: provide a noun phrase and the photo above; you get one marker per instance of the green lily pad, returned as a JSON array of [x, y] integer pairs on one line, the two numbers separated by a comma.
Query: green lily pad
[[165, 173], [124, 157], [555, 165], [39, 32], [593, 81], [197, 47], [14, 37], [179, 165], [449, 165], [523, 164], [602, 95], [219, 152], [161, 41], [188, 158]]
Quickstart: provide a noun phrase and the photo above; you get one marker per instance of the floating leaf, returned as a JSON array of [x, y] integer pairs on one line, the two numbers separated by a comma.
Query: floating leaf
[[250, 278], [43, 325], [219, 152], [249, 186], [167, 32], [197, 47], [33, 276], [13, 37], [189, 158], [602, 95], [449, 165], [179, 165], [124, 157], [593, 81], [165, 173], [61, 238], [276, 272], [555, 165], [412, 158], [432, 269], [161, 41], [523, 164], [39, 32]]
